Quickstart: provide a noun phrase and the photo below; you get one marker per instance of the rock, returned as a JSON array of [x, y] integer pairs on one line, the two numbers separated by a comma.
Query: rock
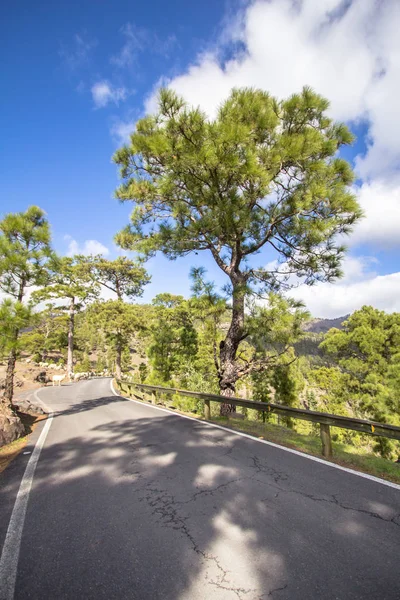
[[42, 377], [27, 406], [11, 429]]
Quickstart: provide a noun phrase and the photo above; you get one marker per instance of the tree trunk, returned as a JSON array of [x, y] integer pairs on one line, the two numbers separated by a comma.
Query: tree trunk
[[118, 370], [11, 427], [9, 382], [12, 357], [71, 323], [228, 348]]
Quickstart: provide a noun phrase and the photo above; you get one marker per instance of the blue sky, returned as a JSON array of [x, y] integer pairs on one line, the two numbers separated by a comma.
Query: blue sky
[[77, 75]]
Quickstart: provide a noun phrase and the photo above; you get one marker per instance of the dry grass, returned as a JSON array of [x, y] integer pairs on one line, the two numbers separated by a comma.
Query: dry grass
[[9, 452], [345, 455]]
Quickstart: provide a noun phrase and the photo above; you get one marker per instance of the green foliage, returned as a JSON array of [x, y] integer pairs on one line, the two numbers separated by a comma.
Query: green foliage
[[72, 281], [48, 333], [14, 316], [173, 336], [118, 322], [123, 276], [263, 170], [84, 365], [367, 353], [37, 357], [272, 330], [25, 251], [25, 255], [331, 384], [143, 372], [100, 363], [263, 173], [126, 361]]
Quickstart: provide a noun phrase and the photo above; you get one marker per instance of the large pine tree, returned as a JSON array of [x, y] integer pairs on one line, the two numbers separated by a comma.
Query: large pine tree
[[262, 174]]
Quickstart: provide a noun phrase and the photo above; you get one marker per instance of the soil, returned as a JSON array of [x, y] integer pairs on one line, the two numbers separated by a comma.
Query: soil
[[25, 373]]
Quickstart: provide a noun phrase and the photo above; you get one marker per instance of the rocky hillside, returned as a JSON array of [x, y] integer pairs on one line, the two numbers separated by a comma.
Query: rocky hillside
[[323, 325]]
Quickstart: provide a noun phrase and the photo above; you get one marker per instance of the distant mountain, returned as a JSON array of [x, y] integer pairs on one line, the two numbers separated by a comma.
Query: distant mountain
[[323, 325]]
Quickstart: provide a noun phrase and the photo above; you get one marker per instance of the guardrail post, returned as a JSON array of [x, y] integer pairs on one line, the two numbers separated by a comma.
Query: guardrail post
[[207, 410], [326, 440], [154, 397]]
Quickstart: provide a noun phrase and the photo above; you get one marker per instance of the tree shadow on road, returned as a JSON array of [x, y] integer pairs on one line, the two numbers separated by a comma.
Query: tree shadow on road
[[161, 507]]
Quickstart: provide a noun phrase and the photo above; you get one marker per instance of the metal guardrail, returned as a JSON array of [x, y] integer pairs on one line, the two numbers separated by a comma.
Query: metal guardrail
[[325, 420]]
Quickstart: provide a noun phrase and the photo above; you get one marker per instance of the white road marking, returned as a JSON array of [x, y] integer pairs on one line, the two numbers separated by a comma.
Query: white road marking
[[40, 402], [254, 439], [10, 555]]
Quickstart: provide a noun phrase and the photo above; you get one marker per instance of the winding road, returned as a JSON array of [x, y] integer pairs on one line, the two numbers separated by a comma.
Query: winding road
[[129, 501]]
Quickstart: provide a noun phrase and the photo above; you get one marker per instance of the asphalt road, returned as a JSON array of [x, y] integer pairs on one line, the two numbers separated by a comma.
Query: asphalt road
[[132, 502]]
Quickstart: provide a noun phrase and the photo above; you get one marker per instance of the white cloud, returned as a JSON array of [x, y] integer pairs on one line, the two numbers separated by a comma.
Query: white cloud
[[137, 40], [290, 44], [380, 201], [88, 247], [121, 131], [360, 286], [103, 93], [77, 53], [347, 51]]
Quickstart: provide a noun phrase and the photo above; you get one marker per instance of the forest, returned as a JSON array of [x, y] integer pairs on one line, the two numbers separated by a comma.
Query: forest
[[262, 174]]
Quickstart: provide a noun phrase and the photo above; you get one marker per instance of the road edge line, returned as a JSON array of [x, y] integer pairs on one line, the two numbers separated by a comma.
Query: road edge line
[[44, 406], [12, 543], [390, 484]]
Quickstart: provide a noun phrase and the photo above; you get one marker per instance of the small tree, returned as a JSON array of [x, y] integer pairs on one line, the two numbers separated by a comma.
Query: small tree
[[119, 322], [173, 336], [24, 262], [47, 334], [262, 174], [73, 283], [126, 278]]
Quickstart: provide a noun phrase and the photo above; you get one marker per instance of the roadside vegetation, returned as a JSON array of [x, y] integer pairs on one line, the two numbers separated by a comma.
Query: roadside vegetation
[[263, 179]]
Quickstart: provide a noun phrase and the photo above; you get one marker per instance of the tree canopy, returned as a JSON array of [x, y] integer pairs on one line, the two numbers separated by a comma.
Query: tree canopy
[[367, 351], [263, 174], [24, 251], [123, 276]]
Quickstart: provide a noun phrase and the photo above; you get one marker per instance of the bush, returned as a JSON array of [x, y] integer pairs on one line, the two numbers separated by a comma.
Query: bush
[[36, 358]]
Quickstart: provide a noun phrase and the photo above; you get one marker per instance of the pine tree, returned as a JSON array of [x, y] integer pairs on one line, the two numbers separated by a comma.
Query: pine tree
[[25, 254], [367, 351], [74, 284], [118, 321], [127, 279], [263, 174]]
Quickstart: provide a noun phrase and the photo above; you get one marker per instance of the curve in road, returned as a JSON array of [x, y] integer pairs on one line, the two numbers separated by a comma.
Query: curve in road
[[131, 502]]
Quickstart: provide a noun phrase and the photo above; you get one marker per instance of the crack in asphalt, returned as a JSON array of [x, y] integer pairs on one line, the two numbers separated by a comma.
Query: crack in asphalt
[[279, 589], [165, 505], [335, 501], [261, 467], [210, 492]]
